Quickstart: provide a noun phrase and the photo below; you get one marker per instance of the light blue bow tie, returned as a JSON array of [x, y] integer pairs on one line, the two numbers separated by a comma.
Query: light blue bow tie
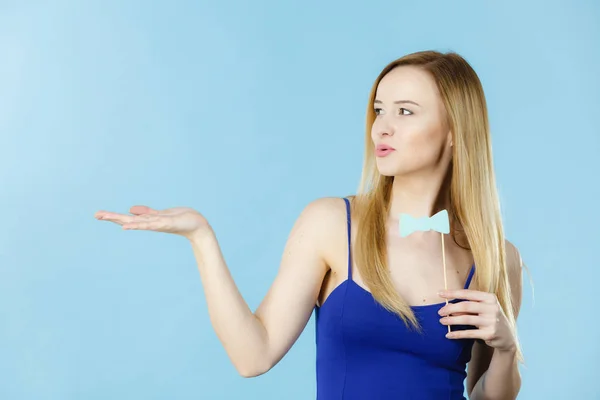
[[439, 222]]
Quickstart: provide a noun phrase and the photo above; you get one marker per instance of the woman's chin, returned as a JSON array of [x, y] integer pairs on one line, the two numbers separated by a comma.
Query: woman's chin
[[387, 171]]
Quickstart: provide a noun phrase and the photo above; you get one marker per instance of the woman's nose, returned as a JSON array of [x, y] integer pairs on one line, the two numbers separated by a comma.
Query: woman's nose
[[384, 131], [383, 128]]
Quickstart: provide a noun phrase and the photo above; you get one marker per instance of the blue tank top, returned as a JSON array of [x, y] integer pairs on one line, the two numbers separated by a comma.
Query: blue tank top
[[366, 352]]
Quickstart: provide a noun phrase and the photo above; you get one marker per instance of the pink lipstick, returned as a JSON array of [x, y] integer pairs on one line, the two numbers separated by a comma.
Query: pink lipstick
[[383, 150]]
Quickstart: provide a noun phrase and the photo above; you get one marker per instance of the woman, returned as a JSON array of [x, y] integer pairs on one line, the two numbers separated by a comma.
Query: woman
[[382, 324]]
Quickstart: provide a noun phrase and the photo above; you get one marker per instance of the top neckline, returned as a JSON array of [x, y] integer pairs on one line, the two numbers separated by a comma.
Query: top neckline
[[365, 291]]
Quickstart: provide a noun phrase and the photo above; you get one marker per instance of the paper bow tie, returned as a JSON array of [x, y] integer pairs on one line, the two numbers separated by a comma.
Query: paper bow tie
[[438, 222]]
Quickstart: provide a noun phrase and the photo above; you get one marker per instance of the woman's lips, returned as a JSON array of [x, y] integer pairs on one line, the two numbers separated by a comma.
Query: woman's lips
[[383, 150]]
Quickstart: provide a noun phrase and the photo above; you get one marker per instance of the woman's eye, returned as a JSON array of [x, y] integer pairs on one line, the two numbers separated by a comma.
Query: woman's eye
[[408, 112]]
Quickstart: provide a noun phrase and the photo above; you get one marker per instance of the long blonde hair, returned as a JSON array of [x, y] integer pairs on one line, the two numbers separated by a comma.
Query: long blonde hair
[[471, 193]]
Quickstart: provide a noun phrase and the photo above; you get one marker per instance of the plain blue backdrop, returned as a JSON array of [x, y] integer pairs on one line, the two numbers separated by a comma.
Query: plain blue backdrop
[[247, 111]]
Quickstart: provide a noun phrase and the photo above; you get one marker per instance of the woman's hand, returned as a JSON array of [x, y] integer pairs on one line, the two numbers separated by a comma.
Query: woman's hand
[[182, 221], [481, 309]]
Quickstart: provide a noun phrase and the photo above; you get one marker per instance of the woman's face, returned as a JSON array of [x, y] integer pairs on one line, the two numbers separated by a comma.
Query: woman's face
[[410, 120]]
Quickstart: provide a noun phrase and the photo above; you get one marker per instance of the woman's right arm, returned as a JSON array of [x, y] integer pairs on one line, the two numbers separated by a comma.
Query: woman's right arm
[[255, 342]]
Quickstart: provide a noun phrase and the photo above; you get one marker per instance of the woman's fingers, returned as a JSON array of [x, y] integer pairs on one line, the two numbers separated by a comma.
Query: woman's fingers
[[473, 320], [112, 217], [123, 218], [120, 219], [146, 222], [139, 210], [153, 222]]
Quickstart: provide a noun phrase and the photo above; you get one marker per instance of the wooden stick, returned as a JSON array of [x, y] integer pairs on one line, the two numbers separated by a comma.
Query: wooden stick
[[445, 278]]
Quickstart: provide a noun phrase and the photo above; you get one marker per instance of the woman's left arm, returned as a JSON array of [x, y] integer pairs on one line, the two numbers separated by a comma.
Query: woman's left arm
[[493, 370]]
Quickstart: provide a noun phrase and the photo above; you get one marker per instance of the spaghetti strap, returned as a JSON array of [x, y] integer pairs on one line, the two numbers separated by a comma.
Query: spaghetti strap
[[348, 219], [470, 276]]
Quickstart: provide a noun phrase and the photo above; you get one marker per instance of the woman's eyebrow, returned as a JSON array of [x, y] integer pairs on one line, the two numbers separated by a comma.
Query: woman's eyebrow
[[398, 102]]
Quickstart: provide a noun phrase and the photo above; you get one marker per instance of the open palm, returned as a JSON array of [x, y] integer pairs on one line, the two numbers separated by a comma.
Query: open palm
[[182, 221]]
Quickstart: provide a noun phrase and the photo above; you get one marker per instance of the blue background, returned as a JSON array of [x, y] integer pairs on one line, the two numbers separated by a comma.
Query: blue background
[[247, 111]]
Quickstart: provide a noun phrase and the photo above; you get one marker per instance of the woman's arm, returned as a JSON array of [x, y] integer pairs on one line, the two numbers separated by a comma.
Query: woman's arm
[[255, 342], [494, 374]]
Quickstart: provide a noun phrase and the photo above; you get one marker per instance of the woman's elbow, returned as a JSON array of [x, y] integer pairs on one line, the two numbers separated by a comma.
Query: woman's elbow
[[253, 370]]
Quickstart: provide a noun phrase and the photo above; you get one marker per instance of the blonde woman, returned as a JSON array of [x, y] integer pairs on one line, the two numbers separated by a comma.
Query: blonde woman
[[381, 320]]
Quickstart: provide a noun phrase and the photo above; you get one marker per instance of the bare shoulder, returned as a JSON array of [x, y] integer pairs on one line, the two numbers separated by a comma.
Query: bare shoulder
[[320, 215], [324, 206], [327, 217], [322, 212], [514, 266]]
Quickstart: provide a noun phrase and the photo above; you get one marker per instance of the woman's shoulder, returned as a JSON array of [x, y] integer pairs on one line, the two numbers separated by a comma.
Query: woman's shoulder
[[325, 211], [328, 220], [328, 206]]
